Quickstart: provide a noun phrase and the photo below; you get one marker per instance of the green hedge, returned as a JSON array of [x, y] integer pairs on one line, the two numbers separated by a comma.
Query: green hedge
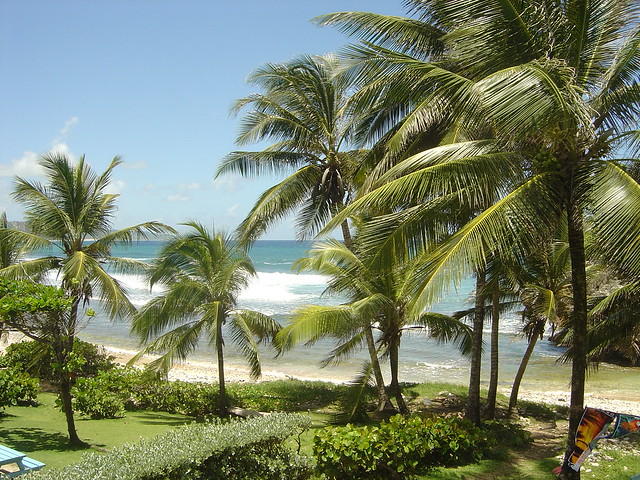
[[233, 450], [400, 448]]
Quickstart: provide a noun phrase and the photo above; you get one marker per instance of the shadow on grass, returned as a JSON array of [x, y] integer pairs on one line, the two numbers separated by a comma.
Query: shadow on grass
[[33, 439], [160, 418]]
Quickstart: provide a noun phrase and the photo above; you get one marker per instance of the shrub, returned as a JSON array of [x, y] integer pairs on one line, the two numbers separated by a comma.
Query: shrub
[[233, 450], [17, 387], [37, 359], [110, 393], [399, 448], [284, 395], [506, 433]]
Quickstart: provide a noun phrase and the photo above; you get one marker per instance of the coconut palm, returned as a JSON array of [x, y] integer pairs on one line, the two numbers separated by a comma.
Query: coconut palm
[[72, 214], [377, 296], [202, 274], [304, 110], [558, 82]]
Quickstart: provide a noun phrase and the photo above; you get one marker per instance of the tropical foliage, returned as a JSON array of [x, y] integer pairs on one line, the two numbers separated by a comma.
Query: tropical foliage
[[71, 214], [304, 110], [202, 274], [376, 298], [557, 85]]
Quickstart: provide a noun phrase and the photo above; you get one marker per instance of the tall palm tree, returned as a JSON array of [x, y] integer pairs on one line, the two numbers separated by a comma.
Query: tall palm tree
[[558, 82], [304, 111], [72, 214], [377, 296], [202, 273]]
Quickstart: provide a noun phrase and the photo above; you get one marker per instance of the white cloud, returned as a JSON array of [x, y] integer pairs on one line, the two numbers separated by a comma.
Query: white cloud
[[116, 187], [228, 183], [177, 198], [26, 166], [68, 125], [148, 188], [232, 211], [190, 186], [135, 165]]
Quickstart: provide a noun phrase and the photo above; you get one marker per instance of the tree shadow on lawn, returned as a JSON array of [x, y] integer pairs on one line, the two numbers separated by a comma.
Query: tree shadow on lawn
[[162, 418], [33, 439]]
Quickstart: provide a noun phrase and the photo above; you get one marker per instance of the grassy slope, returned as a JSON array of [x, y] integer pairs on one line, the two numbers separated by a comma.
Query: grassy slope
[[41, 431]]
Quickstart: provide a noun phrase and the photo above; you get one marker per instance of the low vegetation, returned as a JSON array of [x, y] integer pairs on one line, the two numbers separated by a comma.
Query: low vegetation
[[214, 449]]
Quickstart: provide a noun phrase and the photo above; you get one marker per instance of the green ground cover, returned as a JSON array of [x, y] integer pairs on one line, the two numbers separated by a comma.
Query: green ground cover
[[41, 432]]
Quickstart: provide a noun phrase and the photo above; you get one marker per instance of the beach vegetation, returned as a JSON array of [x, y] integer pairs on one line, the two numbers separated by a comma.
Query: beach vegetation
[[202, 273], [559, 77], [402, 447], [234, 449], [377, 300], [71, 214], [38, 360], [305, 109], [17, 388]]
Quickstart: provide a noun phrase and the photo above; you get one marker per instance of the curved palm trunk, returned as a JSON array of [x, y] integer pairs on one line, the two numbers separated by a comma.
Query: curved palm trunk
[[513, 398], [383, 399], [579, 321], [489, 412], [472, 411], [396, 390], [222, 400]]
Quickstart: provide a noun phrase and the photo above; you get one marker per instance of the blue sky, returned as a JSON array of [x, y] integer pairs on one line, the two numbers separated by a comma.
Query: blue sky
[[152, 81]]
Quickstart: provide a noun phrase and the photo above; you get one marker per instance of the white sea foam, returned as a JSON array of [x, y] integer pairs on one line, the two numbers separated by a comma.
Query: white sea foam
[[282, 287]]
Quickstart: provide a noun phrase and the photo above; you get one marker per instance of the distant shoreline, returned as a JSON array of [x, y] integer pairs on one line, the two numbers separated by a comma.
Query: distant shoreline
[[193, 371]]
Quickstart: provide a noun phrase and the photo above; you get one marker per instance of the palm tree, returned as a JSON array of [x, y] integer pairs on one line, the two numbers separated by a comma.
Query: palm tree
[[377, 297], [202, 273], [304, 110], [73, 214], [543, 283], [558, 82]]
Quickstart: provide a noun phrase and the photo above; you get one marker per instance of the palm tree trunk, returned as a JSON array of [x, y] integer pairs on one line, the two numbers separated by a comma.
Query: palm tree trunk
[[579, 321], [513, 399], [489, 412], [346, 235], [62, 347], [394, 348], [383, 399], [222, 400], [472, 411]]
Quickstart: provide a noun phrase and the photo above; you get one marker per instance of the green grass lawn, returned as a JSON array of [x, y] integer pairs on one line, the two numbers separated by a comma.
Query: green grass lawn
[[41, 432]]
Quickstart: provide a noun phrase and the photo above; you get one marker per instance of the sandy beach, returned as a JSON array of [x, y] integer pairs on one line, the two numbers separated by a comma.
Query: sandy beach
[[615, 400]]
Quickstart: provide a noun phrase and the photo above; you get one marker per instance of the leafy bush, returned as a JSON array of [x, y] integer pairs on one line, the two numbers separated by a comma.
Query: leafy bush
[[284, 395], [109, 392], [233, 450], [37, 359], [400, 448], [17, 387], [506, 433]]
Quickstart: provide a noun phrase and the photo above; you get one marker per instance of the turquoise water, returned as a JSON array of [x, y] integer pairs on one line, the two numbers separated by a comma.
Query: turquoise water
[[277, 291]]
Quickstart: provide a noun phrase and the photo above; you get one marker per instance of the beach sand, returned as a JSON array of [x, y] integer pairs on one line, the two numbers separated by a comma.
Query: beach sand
[[615, 400]]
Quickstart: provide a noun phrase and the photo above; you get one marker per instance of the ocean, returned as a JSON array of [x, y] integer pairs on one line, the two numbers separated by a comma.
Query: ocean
[[277, 291]]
